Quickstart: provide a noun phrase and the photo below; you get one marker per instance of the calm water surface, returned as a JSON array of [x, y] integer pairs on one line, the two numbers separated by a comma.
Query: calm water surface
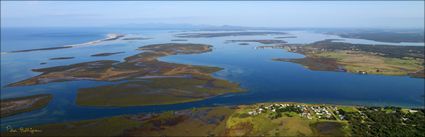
[[264, 79]]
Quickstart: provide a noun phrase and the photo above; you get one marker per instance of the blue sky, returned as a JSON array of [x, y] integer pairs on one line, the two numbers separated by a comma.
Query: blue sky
[[242, 13]]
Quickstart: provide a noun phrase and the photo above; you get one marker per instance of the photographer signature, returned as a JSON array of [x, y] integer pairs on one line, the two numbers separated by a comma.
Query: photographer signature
[[10, 129]]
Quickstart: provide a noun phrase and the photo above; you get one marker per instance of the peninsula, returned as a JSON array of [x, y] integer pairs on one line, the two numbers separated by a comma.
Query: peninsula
[[359, 58], [109, 37], [384, 36]]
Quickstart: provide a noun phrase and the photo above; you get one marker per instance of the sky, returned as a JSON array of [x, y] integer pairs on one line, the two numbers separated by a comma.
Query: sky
[[337, 14]]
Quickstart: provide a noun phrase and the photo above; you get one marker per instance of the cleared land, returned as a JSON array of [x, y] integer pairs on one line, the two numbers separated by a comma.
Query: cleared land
[[358, 58], [23, 104], [265, 119]]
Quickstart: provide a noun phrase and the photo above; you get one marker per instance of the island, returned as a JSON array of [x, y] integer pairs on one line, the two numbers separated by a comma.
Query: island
[[179, 40], [40, 49], [224, 34], [262, 119], [146, 80], [285, 37], [13, 106], [262, 41], [327, 55], [61, 58], [106, 54]]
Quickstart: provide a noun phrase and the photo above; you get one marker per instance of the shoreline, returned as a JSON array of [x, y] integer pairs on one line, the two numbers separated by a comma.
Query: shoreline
[[109, 37]]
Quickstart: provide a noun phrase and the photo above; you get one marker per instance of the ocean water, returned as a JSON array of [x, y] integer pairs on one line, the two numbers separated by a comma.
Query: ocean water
[[264, 80]]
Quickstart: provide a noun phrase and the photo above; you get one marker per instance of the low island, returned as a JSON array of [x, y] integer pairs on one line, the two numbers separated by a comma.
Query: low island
[[106, 54], [147, 81], [19, 105], [179, 40], [61, 58]]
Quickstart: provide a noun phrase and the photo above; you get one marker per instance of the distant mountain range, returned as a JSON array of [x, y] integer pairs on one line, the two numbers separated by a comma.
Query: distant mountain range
[[203, 27]]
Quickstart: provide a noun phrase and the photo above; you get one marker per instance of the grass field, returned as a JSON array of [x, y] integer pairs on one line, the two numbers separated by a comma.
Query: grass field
[[373, 64]]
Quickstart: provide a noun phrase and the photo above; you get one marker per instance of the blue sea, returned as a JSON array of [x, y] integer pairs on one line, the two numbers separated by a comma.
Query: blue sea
[[264, 80]]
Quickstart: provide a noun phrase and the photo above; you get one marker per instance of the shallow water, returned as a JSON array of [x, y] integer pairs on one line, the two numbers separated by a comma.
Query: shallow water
[[265, 80]]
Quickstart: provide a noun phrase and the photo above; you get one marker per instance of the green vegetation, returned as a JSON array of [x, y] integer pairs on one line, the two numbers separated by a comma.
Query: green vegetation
[[356, 58], [148, 81], [142, 64], [330, 128], [294, 120], [387, 122], [284, 120], [357, 61], [19, 105], [155, 91]]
